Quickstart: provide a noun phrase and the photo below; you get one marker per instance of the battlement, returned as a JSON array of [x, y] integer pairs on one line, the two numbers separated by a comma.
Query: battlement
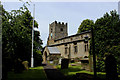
[[59, 23]]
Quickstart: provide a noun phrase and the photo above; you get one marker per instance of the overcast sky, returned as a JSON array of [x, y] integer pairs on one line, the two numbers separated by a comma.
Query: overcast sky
[[72, 13]]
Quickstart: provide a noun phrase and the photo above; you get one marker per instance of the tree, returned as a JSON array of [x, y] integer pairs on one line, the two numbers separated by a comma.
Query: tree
[[6, 48], [107, 32], [17, 34], [107, 36], [85, 25]]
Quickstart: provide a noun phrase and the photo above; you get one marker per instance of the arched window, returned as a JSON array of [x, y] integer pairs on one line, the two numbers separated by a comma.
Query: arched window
[[51, 30]]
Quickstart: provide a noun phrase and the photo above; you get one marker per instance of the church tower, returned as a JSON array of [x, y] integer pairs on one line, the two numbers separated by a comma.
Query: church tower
[[57, 30]]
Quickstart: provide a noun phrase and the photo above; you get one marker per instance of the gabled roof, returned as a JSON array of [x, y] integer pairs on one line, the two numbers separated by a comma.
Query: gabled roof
[[53, 50]]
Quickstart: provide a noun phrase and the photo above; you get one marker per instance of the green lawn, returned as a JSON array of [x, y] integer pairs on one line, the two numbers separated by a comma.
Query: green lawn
[[36, 73], [72, 70]]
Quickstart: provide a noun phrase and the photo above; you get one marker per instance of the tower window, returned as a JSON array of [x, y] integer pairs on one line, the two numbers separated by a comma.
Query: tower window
[[51, 30], [61, 29]]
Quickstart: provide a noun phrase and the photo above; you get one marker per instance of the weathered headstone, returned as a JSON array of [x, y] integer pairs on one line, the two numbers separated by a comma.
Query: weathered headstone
[[25, 63], [85, 64], [111, 68], [64, 63]]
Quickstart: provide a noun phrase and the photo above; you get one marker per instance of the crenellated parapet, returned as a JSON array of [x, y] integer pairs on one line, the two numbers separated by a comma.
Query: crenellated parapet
[[60, 23]]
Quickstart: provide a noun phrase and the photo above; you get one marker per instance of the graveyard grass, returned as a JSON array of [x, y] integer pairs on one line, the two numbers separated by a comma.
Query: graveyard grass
[[72, 70], [36, 73]]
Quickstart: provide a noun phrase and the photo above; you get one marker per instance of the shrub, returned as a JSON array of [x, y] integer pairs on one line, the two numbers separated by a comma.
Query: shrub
[[56, 62], [100, 65]]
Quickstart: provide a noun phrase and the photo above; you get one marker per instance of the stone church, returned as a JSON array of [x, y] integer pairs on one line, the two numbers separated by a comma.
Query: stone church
[[60, 44]]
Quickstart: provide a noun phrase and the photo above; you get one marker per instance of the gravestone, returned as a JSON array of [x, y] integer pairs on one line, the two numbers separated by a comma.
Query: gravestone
[[64, 63], [85, 64], [111, 68], [25, 63]]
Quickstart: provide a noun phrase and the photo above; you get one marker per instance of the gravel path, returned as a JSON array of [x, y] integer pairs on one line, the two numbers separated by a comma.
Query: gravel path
[[52, 73]]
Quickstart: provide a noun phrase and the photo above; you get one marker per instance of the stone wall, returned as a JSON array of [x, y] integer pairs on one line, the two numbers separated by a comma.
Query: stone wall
[[81, 53]]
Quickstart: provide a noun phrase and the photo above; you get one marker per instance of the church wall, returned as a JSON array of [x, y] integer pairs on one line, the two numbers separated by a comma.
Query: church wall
[[61, 49], [72, 38], [71, 42], [45, 53], [72, 51], [81, 49], [71, 47]]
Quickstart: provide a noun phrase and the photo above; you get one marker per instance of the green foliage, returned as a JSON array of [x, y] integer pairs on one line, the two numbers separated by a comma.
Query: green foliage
[[116, 50], [106, 37], [55, 62], [107, 32], [85, 25], [37, 58], [54, 58], [100, 65], [17, 35]]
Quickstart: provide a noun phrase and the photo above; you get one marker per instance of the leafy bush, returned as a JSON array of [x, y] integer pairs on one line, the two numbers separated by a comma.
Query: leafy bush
[[37, 58], [56, 62], [54, 58], [100, 65]]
